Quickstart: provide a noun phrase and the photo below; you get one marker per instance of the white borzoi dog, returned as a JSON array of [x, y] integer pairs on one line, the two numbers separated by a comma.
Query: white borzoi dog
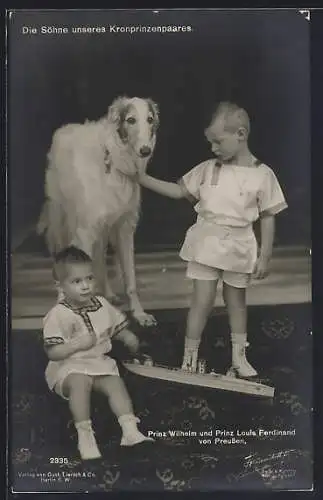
[[92, 195]]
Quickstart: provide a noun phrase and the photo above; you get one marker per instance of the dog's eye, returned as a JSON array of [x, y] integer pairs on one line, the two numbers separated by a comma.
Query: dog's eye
[[131, 120], [150, 119]]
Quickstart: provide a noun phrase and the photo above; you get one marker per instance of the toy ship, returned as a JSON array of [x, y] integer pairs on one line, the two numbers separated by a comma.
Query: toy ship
[[212, 380]]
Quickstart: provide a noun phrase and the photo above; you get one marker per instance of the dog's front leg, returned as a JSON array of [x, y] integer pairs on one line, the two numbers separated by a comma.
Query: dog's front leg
[[125, 249], [100, 268]]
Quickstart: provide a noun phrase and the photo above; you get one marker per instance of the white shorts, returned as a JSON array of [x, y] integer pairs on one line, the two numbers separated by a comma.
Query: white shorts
[[57, 372], [198, 271]]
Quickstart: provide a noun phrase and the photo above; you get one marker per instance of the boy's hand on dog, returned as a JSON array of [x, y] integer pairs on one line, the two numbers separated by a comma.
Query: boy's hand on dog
[[144, 319], [141, 167]]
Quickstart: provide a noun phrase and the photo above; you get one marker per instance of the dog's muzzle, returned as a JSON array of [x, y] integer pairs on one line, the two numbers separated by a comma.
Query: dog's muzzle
[[145, 151]]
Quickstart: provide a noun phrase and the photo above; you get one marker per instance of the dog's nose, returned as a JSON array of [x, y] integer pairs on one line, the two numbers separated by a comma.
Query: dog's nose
[[145, 151]]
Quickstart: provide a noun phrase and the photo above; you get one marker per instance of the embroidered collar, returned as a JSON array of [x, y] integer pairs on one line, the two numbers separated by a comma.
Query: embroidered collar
[[83, 311], [218, 162], [92, 307]]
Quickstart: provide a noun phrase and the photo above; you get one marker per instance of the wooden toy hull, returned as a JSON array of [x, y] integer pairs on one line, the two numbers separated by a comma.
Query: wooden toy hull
[[212, 381]]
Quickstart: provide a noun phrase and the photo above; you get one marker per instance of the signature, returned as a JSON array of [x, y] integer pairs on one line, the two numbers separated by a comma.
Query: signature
[[267, 472], [273, 456], [270, 468]]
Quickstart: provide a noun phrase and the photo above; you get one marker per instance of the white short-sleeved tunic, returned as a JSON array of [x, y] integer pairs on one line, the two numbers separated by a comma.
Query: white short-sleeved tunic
[[63, 322], [230, 198]]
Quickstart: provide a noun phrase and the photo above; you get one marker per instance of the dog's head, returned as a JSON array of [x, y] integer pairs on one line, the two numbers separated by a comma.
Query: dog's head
[[136, 121]]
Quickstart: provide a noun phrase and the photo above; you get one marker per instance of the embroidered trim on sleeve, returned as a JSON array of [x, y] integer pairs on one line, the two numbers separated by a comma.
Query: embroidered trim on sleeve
[[50, 341], [121, 326], [274, 209]]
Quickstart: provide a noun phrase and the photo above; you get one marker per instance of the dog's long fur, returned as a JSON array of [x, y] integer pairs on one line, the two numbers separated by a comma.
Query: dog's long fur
[[92, 196]]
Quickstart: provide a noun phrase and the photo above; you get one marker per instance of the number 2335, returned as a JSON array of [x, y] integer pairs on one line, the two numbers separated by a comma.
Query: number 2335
[[58, 460]]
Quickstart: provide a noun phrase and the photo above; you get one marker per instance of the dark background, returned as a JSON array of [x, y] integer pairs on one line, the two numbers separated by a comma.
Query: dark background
[[259, 59]]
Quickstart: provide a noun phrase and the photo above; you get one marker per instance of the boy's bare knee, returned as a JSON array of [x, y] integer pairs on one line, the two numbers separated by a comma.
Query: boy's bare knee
[[106, 383], [76, 382], [203, 304], [232, 293]]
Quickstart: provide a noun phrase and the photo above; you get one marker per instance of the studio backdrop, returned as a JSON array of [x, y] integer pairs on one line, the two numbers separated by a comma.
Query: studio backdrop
[[258, 59]]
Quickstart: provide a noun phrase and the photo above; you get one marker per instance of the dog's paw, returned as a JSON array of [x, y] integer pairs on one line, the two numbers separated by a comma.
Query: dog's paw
[[144, 319]]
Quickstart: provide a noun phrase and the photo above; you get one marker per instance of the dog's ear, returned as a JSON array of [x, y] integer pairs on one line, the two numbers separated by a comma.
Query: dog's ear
[[153, 106], [116, 115], [116, 110]]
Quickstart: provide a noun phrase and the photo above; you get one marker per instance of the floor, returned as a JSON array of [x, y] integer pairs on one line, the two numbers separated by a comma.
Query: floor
[[280, 349], [161, 283], [280, 343]]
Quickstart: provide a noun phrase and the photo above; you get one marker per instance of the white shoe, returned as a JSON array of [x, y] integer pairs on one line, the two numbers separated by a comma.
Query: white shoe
[[189, 363], [240, 365], [134, 438], [87, 444], [130, 433], [187, 367]]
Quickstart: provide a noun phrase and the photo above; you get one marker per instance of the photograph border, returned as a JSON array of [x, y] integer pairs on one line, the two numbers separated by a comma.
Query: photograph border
[[317, 113]]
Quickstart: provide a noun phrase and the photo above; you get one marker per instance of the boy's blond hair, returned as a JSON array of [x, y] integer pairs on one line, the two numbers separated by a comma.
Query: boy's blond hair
[[233, 117]]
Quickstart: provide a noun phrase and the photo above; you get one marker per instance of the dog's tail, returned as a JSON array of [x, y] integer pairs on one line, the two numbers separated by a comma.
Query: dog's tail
[[52, 221], [42, 223], [52, 225]]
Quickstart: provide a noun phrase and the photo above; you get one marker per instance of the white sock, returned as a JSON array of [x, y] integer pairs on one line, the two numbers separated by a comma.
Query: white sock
[[84, 425], [128, 420], [239, 338], [192, 343]]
